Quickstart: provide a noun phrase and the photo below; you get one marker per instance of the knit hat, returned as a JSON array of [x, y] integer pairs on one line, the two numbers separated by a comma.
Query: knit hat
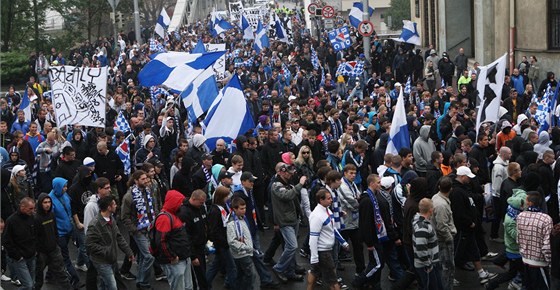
[[88, 161]]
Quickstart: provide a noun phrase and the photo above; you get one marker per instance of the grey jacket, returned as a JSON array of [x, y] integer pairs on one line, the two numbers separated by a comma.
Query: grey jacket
[[443, 219], [349, 204], [285, 204], [239, 247], [102, 240], [422, 149]]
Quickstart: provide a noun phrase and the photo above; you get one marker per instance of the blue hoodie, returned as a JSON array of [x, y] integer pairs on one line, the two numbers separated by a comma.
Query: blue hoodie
[[61, 207]]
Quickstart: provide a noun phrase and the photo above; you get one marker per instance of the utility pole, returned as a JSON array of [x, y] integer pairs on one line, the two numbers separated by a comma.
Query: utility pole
[[366, 39], [114, 4], [137, 23]]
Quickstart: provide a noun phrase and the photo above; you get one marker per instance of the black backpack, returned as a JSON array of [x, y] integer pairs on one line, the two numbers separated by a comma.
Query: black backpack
[[153, 241]]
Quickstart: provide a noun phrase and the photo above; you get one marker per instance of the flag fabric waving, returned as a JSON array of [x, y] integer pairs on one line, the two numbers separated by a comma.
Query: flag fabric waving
[[409, 33], [123, 151], [176, 70], [408, 86], [163, 22], [340, 38], [200, 94], [261, 39], [351, 68], [25, 105], [218, 25], [281, 33], [246, 27], [121, 124], [545, 107], [199, 48], [398, 137], [356, 13], [489, 86], [229, 116]]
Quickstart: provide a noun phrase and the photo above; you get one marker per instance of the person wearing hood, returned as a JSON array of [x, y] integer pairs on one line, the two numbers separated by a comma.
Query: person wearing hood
[[80, 193], [543, 144], [103, 238], [20, 241], [173, 250], [422, 149], [505, 135], [521, 120], [198, 148], [14, 160], [147, 152], [48, 252], [62, 210], [182, 181], [168, 140], [79, 144], [499, 174], [446, 69], [550, 80]]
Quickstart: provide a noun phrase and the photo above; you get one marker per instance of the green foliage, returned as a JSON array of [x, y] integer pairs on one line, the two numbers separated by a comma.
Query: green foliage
[[399, 11], [14, 67]]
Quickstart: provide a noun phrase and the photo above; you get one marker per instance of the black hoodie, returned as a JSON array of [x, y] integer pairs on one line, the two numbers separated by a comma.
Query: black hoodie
[[80, 191], [182, 181], [19, 238], [45, 225]]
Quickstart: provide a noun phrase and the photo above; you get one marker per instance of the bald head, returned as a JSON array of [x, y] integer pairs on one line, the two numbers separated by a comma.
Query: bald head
[[505, 153]]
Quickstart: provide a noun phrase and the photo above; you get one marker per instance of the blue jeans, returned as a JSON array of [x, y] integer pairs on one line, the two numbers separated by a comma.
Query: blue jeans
[[145, 259], [106, 276], [83, 258], [430, 278], [258, 260], [287, 262], [25, 269], [63, 244], [222, 260], [391, 257], [179, 275]]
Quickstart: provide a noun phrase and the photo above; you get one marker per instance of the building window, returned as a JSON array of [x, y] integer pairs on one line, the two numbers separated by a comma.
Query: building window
[[417, 8], [554, 24]]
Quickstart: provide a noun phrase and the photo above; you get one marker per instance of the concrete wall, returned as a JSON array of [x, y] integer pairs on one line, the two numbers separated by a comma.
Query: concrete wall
[[501, 27], [484, 31], [458, 27], [531, 27]]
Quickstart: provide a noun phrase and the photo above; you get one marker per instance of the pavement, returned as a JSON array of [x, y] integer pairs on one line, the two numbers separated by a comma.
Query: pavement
[[468, 279]]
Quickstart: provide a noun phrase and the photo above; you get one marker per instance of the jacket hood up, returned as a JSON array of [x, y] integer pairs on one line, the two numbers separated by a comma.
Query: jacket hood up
[[425, 132], [58, 183], [173, 200], [216, 169], [39, 204]]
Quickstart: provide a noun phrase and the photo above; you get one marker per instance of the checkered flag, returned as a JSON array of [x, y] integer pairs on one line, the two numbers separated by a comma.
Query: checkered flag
[[351, 69], [286, 72], [121, 124], [155, 91], [407, 87], [314, 59]]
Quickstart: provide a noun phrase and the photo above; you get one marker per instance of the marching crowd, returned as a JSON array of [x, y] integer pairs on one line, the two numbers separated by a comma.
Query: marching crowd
[[316, 158]]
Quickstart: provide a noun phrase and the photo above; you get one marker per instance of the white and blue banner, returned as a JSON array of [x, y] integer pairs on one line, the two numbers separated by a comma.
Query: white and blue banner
[[200, 94], [398, 137], [162, 24], [340, 38], [356, 13]]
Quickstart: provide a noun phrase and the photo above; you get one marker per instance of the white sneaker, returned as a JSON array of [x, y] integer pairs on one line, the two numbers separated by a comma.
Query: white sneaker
[[485, 276], [82, 268], [5, 278], [514, 286], [16, 282]]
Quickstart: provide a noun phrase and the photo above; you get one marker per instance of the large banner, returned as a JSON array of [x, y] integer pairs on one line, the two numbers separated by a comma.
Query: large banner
[[235, 9], [79, 95], [220, 64], [340, 38]]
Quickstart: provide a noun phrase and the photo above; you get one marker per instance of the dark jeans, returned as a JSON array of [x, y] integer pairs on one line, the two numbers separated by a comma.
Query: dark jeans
[[391, 257], [372, 274], [63, 244], [245, 273], [357, 247], [276, 242], [222, 261], [536, 278], [125, 268], [54, 260], [430, 277], [498, 216], [199, 272], [515, 266]]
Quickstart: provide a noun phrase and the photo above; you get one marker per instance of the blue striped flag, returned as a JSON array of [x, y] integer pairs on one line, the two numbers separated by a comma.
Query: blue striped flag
[[123, 151]]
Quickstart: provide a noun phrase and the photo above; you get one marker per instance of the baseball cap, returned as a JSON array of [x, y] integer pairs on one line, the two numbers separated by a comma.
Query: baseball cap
[[464, 170], [225, 174], [206, 156], [387, 181], [17, 169], [88, 161], [247, 176]]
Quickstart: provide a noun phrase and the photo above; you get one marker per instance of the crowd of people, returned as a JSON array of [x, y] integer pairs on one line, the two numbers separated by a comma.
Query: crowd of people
[[316, 158]]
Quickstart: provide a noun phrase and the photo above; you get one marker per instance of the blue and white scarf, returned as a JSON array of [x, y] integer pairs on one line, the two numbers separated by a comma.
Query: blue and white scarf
[[379, 224], [143, 212], [512, 212], [338, 223]]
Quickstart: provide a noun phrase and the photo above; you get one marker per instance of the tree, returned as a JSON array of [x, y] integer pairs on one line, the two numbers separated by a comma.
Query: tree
[[399, 11], [19, 20], [150, 10]]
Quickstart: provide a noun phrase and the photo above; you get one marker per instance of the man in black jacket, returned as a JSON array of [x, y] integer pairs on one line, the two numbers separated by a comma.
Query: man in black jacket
[[68, 165], [108, 165], [193, 214], [20, 242], [48, 252], [480, 152]]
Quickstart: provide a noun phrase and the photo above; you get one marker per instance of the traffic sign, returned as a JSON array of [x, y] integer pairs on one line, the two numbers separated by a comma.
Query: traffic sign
[[365, 28], [328, 11], [311, 8]]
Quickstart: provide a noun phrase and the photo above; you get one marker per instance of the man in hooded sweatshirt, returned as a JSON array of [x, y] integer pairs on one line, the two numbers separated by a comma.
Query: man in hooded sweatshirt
[[198, 148], [48, 252], [147, 152], [63, 214], [422, 150], [172, 243]]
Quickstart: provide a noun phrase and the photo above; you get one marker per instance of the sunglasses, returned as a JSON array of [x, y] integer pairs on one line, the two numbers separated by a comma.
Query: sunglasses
[[305, 152]]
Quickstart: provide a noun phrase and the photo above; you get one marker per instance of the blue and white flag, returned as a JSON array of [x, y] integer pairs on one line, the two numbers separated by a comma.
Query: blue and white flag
[[121, 124], [286, 72], [200, 94], [156, 46], [163, 22], [199, 48], [155, 91], [351, 69], [314, 59], [218, 25], [123, 151], [545, 108], [340, 38], [409, 33], [408, 86], [281, 33], [261, 39], [357, 12], [229, 116], [25, 105], [176, 70], [398, 137], [246, 27]]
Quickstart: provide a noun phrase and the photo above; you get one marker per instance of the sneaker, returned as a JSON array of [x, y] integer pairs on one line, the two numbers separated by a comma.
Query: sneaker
[[496, 240], [514, 286], [280, 276], [128, 276], [82, 268], [456, 283], [303, 253], [489, 256], [339, 279], [468, 266], [485, 276], [5, 278], [160, 277], [343, 286], [16, 282]]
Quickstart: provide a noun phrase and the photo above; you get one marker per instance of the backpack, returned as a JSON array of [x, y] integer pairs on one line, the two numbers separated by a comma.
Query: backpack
[[153, 242]]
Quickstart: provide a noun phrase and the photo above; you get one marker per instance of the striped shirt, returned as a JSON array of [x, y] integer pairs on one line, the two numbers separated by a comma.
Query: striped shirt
[[424, 242]]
